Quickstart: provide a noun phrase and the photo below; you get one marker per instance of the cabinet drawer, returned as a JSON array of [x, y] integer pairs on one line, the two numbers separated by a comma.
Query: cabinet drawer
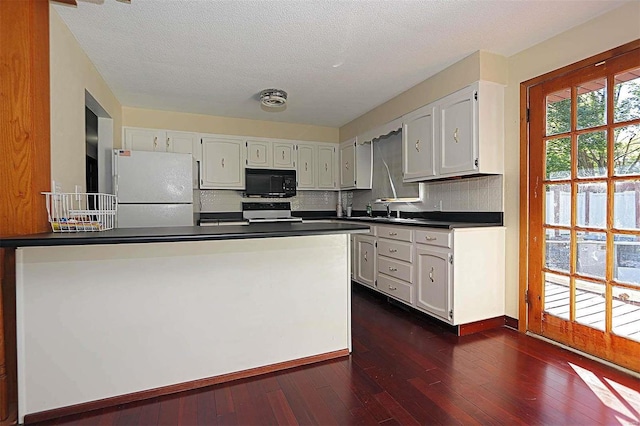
[[400, 270], [434, 237], [396, 233], [396, 250], [395, 288]]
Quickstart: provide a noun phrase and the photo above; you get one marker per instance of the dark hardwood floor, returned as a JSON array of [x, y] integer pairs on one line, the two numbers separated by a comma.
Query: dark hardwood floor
[[407, 370]]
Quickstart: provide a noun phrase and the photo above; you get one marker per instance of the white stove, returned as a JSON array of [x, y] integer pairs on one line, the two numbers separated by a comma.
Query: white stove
[[268, 212]]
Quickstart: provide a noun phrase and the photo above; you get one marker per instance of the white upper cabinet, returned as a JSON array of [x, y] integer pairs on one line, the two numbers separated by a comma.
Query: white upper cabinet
[[327, 165], [182, 142], [222, 164], [355, 165], [464, 132], [458, 138], [144, 139], [347, 164], [284, 155], [317, 166], [272, 154], [418, 144], [306, 166], [258, 153], [137, 139]]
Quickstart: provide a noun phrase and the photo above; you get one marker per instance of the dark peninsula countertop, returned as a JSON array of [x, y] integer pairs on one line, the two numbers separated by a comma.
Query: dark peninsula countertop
[[182, 233]]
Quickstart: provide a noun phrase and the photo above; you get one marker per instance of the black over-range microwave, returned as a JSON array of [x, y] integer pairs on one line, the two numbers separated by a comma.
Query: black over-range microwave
[[270, 183]]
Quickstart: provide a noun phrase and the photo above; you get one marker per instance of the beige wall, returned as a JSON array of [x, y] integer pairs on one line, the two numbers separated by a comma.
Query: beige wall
[[478, 66], [71, 73], [610, 30], [138, 117]]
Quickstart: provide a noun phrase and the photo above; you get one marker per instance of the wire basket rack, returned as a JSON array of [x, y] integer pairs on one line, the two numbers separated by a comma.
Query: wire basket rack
[[80, 212]]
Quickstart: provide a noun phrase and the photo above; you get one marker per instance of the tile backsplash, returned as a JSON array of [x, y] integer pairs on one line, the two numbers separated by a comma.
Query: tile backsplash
[[479, 194], [224, 200]]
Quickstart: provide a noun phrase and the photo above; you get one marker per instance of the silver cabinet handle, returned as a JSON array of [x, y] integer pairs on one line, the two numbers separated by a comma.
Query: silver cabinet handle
[[393, 250], [455, 135], [418, 145], [393, 288], [346, 165], [257, 153], [393, 234], [283, 154], [365, 256], [431, 274], [305, 166], [167, 143], [393, 269], [222, 162], [326, 167], [428, 238], [155, 142]]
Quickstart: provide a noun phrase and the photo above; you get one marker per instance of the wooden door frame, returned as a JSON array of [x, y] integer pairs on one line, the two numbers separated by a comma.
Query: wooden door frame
[[523, 323]]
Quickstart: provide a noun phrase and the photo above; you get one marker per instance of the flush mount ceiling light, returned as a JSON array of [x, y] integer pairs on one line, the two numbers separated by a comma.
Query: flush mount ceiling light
[[273, 98]]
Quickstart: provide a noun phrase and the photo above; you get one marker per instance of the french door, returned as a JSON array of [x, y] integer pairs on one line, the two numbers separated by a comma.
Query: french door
[[584, 209]]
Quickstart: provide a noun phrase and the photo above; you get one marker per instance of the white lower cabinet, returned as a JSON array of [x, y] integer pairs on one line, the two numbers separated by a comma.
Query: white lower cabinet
[[457, 275], [365, 260], [433, 278], [395, 288], [395, 262]]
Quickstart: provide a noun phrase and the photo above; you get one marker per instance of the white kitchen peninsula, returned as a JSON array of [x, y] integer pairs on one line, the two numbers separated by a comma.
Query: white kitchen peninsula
[[136, 313]]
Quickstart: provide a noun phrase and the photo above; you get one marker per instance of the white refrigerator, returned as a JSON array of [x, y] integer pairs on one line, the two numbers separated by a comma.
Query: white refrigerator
[[155, 188]]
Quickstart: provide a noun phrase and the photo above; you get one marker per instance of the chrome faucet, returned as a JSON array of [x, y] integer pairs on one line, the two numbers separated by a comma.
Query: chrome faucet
[[388, 206]]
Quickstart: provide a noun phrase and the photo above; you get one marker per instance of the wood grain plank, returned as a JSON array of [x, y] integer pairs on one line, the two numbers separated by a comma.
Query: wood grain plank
[[281, 409], [207, 414]]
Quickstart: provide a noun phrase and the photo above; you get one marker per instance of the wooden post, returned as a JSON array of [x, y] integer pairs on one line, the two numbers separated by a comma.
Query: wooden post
[[25, 168]]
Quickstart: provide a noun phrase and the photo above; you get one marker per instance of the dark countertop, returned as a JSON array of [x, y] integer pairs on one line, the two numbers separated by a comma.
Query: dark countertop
[[182, 233], [442, 220], [416, 222]]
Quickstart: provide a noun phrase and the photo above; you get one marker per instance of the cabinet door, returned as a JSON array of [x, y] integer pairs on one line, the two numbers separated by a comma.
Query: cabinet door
[[181, 142], [222, 164], [326, 167], [418, 144], [458, 133], [348, 165], [284, 155], [144, 140], [433, 282], [366, 260], [258, 153], [306, 166]]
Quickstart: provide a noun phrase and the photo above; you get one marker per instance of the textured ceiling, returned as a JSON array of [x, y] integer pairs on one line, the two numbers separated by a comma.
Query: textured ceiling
[[337, 59]]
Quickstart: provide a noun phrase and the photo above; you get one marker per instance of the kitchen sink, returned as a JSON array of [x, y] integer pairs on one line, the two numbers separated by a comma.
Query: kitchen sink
[[388, 219]]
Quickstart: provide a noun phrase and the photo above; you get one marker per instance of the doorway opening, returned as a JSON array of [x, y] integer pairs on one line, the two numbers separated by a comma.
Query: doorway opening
[[98, 146]]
